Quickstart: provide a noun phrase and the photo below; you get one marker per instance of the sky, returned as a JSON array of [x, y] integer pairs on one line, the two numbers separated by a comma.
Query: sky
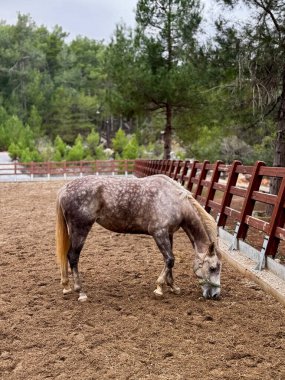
[[95, 19]]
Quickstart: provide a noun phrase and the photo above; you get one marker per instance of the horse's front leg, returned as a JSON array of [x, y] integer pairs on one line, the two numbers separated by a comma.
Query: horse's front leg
[[160, 282], [166, 277], [164, 242], [169, 277], [170, 282]]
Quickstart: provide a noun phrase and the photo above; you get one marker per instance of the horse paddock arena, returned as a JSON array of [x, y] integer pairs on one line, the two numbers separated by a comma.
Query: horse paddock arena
[[122, 331]]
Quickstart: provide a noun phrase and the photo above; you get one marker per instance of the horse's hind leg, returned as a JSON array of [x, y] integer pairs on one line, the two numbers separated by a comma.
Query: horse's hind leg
[[64, 278], [77, 242], [73, 258]]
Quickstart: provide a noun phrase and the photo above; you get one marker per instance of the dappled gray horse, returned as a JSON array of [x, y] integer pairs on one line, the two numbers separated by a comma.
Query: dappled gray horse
[[155, 205]]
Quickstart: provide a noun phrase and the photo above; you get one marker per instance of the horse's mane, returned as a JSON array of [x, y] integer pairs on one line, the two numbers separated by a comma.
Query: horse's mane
[[207, 219], [209, 222]]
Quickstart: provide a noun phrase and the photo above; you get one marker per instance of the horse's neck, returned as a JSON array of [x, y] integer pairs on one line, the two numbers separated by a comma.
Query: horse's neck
[[196, 230], [198, 224]]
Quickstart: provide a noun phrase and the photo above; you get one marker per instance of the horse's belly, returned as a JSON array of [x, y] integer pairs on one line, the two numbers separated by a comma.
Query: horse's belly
[[122, 226]]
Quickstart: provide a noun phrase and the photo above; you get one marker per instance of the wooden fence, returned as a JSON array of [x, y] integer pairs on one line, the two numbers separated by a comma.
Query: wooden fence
[[65, 169], [232, 193]]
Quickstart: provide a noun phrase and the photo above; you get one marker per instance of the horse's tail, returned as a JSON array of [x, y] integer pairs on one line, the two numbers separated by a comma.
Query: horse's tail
[[62, 239]]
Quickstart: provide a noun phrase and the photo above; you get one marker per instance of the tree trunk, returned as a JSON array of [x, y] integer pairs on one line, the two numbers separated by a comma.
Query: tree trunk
[[168, 133], [279, 151]]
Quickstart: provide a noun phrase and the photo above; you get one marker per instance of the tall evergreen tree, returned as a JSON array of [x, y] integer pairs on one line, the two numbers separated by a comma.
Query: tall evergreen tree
[[166, 38], [262, 64], [262, 67]]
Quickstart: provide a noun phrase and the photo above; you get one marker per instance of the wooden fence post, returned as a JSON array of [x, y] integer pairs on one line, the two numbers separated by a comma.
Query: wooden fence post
[[277, 220], [32, 169], [126, 167], [202, 176], [64, 169], [211, 192], [227, 198], [156, 164], [48, 170], [177, 169], [166, 166], [149, 167], [192, 175], [183, 173], [152, 167], [249, 203], [161, 167]]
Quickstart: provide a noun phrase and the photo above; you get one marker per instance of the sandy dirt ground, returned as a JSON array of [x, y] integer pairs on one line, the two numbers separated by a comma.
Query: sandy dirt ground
[[122, 331]]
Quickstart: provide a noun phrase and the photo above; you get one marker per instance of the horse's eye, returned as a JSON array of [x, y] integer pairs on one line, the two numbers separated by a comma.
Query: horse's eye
[[214, 269]]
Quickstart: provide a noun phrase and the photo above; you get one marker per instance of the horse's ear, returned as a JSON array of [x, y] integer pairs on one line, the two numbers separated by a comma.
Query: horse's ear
[[218, 252], [215, 250], [211, 249]]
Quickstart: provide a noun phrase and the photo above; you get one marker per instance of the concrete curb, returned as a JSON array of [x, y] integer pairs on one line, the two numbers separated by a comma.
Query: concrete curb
[[268, 281]]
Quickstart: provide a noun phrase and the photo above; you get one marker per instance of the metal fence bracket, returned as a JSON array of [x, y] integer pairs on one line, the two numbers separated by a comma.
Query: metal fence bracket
[[218, 217], [261, 262], [234, 243]]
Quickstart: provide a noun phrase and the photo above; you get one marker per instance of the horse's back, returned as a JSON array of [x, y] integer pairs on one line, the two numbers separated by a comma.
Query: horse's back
[[116, 185], [122, 204]]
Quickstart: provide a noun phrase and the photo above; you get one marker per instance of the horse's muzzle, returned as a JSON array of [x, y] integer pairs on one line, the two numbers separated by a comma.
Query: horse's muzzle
[[211, 292]]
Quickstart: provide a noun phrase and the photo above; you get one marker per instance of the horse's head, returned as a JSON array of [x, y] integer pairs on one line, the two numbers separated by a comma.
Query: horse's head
[[207, 267]]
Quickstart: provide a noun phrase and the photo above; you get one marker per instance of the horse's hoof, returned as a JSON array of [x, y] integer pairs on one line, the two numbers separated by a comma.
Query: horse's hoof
[[66, 291], [175, 290], [82, 297], [158, 293]]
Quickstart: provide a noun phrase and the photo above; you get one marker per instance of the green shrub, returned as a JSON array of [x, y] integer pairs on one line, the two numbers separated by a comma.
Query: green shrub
[[131, 150], [76, 152]]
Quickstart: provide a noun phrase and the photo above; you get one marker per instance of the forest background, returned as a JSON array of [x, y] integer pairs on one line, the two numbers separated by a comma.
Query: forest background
[[158, 90]]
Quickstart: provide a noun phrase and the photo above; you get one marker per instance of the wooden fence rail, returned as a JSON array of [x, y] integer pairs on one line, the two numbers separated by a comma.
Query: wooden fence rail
[[232, 193], [65, 168]]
